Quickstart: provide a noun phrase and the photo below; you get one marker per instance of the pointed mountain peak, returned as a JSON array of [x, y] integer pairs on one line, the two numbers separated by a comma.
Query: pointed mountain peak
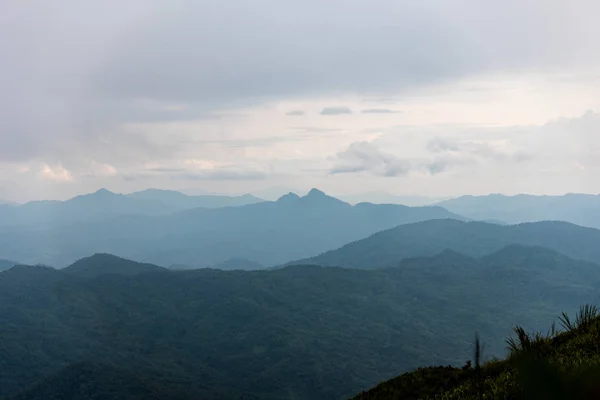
[[103, 192], [317, 197], [288, 198], [314, 192]]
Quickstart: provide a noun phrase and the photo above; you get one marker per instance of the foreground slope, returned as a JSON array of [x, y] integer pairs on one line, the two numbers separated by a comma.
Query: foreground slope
[[555, 365], [475, 239], [301, 332]]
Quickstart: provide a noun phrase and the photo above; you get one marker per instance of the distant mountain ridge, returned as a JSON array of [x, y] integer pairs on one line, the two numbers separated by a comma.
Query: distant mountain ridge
[[183, 201], [389, 247], [237, 263], [268, 233], [580, 209], [104, 203], [6, 264]]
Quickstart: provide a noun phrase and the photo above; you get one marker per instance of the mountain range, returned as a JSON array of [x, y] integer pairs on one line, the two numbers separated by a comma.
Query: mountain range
[[105, 204], [267, 233], [580, 209], [387, 248], [6, 264], [299, 332]]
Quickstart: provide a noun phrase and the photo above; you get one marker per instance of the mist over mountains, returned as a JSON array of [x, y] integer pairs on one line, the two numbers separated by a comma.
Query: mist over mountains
[[580, 209], [106, 204], [132, 309], [267, 233], [476, 239]]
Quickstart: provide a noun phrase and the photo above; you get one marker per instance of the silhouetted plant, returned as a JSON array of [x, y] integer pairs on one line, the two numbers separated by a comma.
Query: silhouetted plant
[[583, 319]]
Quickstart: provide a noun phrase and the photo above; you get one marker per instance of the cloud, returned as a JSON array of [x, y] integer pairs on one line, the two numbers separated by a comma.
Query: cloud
[[295, 113], [195, 169], [167, 80], [100, 170], [499, 150], [365, 157], [224, 174], [379, 111], [335, 111], [58, 173]]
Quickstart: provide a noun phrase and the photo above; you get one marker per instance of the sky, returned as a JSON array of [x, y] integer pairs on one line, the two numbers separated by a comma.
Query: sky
[[426, 97]]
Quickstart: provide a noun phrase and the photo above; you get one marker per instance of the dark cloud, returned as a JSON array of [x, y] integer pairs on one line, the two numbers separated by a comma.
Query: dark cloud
[[379, 111], [295, 113], [336, 111], [365, 157]]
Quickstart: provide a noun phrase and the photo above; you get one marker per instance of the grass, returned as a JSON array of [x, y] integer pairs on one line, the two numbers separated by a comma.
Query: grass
[[556, 365]]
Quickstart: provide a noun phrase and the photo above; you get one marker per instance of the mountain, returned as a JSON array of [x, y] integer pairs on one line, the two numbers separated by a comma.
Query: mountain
[[83, 208], [388, 198], [181, 201], [84, 381], [300, 332], [269, 233], [104, 203], [6, 264], [561, 365], [99, 264], [475, 239], [580, 209], [238, 263]]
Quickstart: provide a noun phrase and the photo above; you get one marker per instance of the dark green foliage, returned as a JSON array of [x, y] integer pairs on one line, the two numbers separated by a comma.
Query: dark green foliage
[[301, 332], [475, 239], [423, 383], [557, 366], [100, 264], [586, 315], [86, 381]]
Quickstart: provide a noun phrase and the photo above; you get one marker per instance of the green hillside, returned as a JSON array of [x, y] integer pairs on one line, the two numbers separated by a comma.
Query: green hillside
[[99, 264], [558, 365], [475, 239], [301, 332]]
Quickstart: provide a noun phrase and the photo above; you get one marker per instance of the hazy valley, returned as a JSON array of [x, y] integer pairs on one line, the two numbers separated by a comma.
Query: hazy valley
[[376, 286]]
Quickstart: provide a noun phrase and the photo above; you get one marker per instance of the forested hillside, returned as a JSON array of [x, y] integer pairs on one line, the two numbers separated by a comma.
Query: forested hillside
[[387, 248], [301, 332]]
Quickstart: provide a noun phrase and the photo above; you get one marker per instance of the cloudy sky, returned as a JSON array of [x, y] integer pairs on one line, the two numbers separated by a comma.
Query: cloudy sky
[[427, 97]]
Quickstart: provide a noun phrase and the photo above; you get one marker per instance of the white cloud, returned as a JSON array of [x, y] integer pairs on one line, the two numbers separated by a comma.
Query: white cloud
[[132, 94], [365, 157], [57, 173]]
